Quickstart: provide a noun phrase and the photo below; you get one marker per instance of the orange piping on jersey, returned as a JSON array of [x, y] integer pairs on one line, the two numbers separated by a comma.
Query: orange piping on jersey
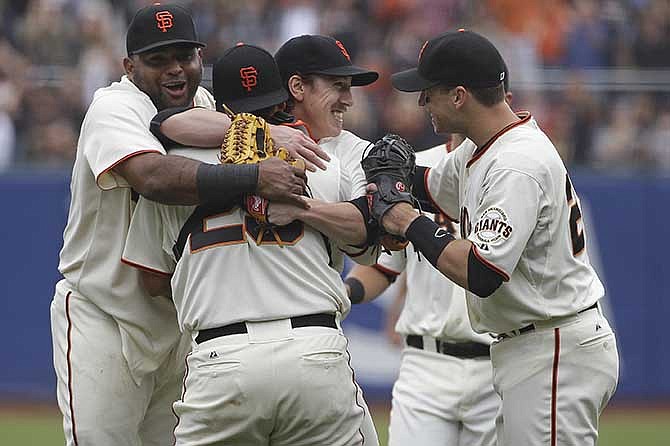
[[385, 270], [183, 393], [490, 265], [554, 383], [430, 197], [353, 380], [139, 152], [69, 366], [145, 268], [525, 117]]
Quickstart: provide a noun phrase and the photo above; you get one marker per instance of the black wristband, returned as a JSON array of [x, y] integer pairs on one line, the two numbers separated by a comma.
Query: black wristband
[[429, 238], [356, 290], [220, 182]]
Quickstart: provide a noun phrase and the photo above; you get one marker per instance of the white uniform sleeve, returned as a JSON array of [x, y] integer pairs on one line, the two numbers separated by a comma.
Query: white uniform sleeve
[[442, 185], [116, 130], [147, 246], [352, 166], [393, 263], [505, 218]]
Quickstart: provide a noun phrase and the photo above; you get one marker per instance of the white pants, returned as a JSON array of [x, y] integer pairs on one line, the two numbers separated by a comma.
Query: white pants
[[555, 381], [102, 405], [443, 400], [275, 385]]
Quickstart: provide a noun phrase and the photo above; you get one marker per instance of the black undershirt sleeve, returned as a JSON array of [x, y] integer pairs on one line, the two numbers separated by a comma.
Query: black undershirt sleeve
[[371, 225], [482, 280]]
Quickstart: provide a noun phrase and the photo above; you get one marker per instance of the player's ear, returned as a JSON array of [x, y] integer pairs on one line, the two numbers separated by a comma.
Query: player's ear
[[459, 95], [508, 97], [128, 66], [296, 87]]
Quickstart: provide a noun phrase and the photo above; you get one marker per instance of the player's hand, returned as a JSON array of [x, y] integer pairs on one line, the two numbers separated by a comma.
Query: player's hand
[[398, 218], [299, 146], [282, 214], [279, 181]]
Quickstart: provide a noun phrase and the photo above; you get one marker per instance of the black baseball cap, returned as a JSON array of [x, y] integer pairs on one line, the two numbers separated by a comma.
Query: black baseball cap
[[160, 25], [246, 78], [454, 58], [314, 54]]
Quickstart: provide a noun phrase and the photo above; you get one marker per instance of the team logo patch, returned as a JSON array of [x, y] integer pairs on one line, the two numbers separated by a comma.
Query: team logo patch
[[249, 77], [164, 20], [493, 227], [343, 50], [400, 186]]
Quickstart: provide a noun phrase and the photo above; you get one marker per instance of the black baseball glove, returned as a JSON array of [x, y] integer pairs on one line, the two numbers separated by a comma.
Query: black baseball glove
[[390, 165]]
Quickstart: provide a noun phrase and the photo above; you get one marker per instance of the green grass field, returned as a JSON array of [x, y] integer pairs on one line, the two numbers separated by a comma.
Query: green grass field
[[618, 427]]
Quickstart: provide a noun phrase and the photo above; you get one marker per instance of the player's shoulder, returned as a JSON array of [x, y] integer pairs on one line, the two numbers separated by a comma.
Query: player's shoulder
[[430, 157], [346, 146], [121, 95], [345, 141], [528, 149], [203, 98]]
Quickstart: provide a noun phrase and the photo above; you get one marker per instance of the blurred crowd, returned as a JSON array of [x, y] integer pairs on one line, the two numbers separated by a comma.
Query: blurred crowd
[[55, 53]]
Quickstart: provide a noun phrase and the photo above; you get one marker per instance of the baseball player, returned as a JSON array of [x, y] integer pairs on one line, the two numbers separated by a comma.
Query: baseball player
[[444, 392], [522, 258], [117, 351], [269, 363], [318, 74]]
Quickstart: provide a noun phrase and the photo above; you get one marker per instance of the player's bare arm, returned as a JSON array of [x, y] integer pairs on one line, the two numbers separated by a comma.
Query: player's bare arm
[[200, 127], [452, 257], [177, 180], [342, 221], [157, 285]]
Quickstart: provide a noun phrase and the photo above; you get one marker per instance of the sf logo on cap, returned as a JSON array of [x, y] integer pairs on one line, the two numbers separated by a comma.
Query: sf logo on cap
[[249, 77], [164, 20]]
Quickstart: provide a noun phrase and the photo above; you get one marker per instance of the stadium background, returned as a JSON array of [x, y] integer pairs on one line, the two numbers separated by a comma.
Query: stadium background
[[594, 73]]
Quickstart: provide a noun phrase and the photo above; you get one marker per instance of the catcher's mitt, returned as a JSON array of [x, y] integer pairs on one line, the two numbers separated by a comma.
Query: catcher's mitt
[[390, 165], [248, 141]]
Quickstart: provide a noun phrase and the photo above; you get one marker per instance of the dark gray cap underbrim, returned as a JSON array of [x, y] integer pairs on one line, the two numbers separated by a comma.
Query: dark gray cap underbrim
[[410, 81], [246, 105], [163, 43], [359, 76]]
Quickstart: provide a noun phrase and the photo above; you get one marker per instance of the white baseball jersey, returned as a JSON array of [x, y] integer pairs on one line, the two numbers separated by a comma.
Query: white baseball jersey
[[116, 127], [515, 202], [348, 148], [434, 305], [222, 274]]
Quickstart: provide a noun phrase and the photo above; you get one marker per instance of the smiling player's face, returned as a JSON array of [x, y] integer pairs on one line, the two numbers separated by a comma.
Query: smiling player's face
[[438, 102], [326, 99], [169, 75]]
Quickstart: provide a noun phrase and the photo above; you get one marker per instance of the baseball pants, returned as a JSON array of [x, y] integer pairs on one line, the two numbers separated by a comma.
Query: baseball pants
[[102, 404], [443, 400], [555, 381], [275, 385]]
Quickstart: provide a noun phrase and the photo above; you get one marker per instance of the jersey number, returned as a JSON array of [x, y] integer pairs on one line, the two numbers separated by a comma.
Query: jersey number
[[576, 232], [206, 233]]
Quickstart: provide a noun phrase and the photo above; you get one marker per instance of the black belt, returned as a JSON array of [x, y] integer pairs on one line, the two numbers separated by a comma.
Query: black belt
[[532, 327], [460, 350], [310, 320]]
